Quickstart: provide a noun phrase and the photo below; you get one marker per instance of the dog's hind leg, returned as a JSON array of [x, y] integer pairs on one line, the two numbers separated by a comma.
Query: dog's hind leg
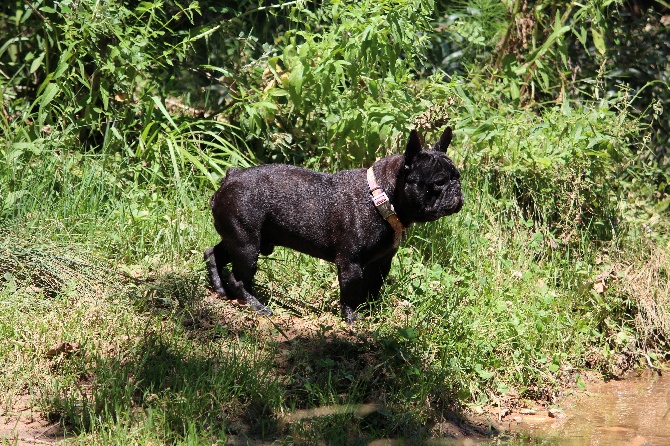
[[215, 260], [240, 279]]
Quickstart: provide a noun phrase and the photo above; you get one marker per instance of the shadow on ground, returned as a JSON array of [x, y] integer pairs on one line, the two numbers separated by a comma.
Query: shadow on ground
[[216, 370]]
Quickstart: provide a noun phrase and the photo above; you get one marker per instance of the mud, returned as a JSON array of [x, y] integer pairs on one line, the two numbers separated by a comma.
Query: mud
[[631, 411]]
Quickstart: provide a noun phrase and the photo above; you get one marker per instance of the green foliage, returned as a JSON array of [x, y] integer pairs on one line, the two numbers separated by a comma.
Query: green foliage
[[87, 75], [548, 51], [346, 91], [98, 62], [468, 32], [559, 164], [532, 46], [638, 45]]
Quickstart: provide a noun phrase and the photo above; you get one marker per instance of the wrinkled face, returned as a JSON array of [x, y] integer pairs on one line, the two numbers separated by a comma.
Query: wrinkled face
[[432, 186]]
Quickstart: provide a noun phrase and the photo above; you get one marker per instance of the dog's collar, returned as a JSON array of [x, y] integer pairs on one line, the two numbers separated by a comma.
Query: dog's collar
[[385, 208]]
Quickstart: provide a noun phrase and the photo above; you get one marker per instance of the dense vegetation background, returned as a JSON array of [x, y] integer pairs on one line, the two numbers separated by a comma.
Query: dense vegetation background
[[119, 117]]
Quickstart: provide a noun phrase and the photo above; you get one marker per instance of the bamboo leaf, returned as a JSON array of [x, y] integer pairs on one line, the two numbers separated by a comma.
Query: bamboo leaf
[[50, 92], [598, 40], [173, 158], [37, 62], [163, 110]]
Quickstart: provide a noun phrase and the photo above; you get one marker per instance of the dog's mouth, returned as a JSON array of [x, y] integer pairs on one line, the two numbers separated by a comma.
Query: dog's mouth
[[443, 210], [448, 207], [457, 204], [449, 202]]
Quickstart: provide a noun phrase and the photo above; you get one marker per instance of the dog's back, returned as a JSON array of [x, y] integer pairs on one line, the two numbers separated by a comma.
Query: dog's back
[[280, 205]]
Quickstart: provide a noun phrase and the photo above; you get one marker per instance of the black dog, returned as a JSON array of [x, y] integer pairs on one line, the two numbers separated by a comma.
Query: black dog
[[344, 218]]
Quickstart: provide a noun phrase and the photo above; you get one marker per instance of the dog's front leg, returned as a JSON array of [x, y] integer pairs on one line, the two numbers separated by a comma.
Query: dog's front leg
[[352, 288], [375, 273]]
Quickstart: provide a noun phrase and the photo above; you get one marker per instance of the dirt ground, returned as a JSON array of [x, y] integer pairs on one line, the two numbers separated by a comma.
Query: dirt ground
[[24, 425]]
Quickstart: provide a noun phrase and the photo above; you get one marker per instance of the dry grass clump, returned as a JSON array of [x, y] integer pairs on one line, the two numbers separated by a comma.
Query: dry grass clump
[[42, 266], [647, 282]]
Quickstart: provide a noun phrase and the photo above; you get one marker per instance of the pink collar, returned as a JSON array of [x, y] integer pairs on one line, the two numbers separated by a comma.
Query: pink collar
[[385, 208]]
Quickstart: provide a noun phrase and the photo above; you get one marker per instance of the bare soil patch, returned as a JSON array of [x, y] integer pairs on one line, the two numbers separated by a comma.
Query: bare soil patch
[[24, 425]]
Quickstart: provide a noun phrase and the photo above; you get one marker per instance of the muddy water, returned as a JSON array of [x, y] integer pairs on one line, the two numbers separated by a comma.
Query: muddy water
[[633, 411]]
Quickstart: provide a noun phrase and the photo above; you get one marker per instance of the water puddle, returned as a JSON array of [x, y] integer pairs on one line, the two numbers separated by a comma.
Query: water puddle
[[634, 412]]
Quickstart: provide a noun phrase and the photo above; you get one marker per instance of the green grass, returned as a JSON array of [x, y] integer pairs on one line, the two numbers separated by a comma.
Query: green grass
[[482, 308]]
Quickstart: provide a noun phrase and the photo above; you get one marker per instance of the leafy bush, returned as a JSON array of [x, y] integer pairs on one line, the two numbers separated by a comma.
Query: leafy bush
[[346, 91], [544, 52], [95, 76], [94, 65], [559, 165], [534, 47]]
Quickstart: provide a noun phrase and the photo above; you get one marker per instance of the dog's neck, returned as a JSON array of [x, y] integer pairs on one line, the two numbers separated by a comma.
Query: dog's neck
[[385, 206], [389, 173]]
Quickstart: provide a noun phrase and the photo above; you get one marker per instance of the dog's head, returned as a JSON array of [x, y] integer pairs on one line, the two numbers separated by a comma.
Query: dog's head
[[430, 186]]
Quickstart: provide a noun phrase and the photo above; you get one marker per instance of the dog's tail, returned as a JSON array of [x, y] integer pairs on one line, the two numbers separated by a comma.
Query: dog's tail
[[231, 171]]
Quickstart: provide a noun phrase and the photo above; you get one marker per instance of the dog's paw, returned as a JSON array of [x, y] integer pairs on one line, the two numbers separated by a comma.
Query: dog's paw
[[264, 311], [350, 316], [258, 307], [213, 273]]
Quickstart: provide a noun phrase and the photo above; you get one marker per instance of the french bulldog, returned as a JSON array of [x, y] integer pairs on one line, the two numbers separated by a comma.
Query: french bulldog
[[354, 218]]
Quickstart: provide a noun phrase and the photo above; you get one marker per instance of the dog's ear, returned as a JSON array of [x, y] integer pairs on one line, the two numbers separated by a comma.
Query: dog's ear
[[413, 147], [444, 141]]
